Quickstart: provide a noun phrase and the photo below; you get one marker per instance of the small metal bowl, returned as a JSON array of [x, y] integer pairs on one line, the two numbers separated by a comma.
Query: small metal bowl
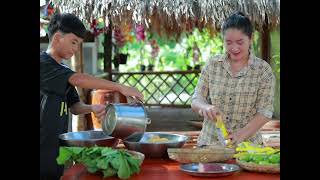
[[209, 169], [140, 142], [88, 139]]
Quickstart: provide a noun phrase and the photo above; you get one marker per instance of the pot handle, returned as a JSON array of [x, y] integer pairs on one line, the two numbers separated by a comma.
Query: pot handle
[[148, 120], [134, 100]]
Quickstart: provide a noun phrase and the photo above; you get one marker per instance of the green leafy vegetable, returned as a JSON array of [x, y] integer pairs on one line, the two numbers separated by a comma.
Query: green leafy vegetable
[[109, 161], [249, 152], [64, 155], [124, 168]]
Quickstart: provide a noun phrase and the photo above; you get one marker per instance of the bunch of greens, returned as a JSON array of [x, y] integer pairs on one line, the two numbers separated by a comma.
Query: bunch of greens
[[260, 158], [249, 152], [107, 160]]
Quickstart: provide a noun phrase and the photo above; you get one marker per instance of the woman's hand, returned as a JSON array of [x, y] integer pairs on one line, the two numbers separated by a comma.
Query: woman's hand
[[237, 137], [250, 129], [131, 91], [209, 112], [99, 110]]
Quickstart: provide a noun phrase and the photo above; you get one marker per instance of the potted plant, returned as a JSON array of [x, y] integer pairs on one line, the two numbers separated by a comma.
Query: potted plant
[[150, 67], [123, 54], [189, 68], [121, 58], [197, 67], [142, 67], [196, 53], [154, 53], [115, 63]]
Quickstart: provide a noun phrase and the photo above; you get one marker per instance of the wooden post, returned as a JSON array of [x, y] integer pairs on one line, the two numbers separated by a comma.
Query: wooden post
[[108, 52], [77, 60], [265, 43], [77, 65]]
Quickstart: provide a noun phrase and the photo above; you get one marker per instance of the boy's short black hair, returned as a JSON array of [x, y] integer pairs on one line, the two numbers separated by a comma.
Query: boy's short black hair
[[66, 23], [238, 21]]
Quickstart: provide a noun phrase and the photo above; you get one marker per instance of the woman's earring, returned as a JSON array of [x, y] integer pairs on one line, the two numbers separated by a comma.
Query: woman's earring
[[250, 48]]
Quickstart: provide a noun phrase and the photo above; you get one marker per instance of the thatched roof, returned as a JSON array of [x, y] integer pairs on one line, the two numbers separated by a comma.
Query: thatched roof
[[174, 16]]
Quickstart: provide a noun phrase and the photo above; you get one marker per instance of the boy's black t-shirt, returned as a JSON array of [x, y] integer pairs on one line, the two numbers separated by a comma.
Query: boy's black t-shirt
[[57, 95]]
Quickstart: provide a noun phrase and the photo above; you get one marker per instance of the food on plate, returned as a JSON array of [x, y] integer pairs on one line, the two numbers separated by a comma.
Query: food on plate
[[156, 138], [205, 167]]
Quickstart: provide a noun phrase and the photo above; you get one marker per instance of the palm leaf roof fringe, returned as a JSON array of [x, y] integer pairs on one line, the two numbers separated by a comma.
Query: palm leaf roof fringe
[[171, 17]]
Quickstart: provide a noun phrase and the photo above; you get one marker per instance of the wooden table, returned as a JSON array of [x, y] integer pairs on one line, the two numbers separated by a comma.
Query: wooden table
[[162, 169]]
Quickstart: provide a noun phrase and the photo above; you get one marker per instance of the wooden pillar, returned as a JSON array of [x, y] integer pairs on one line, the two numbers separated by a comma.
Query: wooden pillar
[[77, 64], [265, 43], [108, 52], [77, 60]]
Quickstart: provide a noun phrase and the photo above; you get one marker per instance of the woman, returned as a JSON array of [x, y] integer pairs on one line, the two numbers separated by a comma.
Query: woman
[[236, 85]]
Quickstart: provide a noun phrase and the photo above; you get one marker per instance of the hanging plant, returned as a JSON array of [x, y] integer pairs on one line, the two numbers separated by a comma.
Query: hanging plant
[[140, 37], [126, 33], [123, 51], [49, 10], [196, 56], [97, 27], [119, 37], [155, 50], [121, 58], [140, 33]]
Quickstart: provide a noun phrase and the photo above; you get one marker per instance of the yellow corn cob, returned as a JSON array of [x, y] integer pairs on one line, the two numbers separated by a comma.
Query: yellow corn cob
[[220, 124]]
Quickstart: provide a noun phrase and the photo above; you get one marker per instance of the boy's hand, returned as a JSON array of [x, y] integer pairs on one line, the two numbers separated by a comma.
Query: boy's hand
[[131, 91], [99, 110]]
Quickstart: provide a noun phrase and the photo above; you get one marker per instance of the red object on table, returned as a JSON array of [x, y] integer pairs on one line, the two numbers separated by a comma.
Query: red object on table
[[162, 169]]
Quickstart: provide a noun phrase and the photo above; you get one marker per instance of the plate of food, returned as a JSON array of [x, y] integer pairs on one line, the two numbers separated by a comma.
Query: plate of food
[[209, 169], [257, 158]]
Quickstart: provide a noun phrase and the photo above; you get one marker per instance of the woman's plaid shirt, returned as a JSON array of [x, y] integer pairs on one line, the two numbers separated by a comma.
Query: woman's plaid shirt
[[239, 98]]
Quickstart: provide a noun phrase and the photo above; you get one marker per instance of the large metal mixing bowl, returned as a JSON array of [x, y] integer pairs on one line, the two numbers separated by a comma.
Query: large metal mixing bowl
[[140, 142], [88, 139]]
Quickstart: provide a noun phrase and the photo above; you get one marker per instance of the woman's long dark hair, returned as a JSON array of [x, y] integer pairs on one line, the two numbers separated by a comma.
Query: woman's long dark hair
[[238, 21]]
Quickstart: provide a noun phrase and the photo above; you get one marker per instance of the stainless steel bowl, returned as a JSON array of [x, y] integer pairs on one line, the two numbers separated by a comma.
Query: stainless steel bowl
[[88, 139], [209, 169], [140, 142]]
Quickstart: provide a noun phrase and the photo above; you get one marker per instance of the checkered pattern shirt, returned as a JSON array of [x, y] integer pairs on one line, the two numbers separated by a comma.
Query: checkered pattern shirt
[[239, 98]]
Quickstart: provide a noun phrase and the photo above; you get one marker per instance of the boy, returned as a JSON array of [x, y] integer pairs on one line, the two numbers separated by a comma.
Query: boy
[[57, 92]]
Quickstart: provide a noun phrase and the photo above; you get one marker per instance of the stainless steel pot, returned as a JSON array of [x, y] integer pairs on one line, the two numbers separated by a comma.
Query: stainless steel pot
[[123, 120]]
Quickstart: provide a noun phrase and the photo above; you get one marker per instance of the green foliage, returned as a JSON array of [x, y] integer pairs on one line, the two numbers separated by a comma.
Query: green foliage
[[107, 160], [249, 152], [275, 64], [275, 53], [173, 55], [177, 55], [261, 158]]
